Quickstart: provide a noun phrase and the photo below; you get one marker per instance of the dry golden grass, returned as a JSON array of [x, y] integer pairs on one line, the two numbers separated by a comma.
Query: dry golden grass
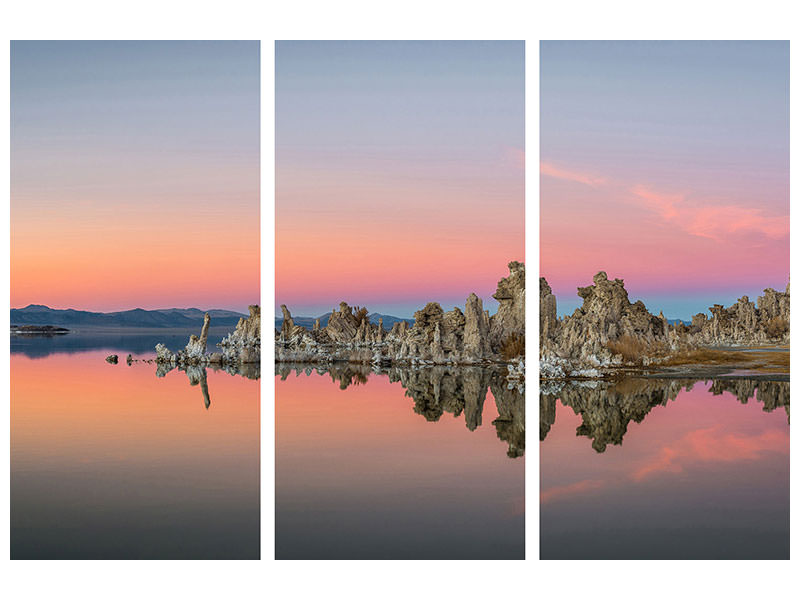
[[776, 327], [704, 356], [773, 361], [770, 362], [631, 348], [513, 346], [362, 314]]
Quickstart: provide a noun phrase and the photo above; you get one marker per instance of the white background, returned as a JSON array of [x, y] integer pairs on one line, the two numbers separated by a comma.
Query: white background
[[411, 19]]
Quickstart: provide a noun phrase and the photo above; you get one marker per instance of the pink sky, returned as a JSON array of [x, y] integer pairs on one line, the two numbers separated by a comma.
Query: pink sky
[[665, 164], [663, 241], [399, 173], [135, 175]]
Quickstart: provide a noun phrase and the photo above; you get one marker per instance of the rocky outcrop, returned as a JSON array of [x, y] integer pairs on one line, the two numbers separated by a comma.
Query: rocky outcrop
[[240, 347], [548, 315], [476, 330], [196, 348], [510, 317], [288, 329], [455, 337], [343, 326], [744, 323], [608, 331], [243, 345], [596, 334]]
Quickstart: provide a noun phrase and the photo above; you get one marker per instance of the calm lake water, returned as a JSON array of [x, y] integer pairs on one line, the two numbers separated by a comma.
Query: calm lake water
[[403, 465], [665, 469], [111, 461]]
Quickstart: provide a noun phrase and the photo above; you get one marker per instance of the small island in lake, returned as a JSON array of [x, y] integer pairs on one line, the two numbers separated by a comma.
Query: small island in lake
[[45, 330]]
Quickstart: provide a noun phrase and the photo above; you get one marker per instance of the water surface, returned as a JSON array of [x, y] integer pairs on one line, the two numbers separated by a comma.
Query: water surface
[[405, 464], [665, 469], [111, 461]]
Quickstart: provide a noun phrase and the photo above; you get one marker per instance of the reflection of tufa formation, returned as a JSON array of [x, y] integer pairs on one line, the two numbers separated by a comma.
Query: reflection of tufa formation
[[609, 331], [607, 408], [240, 355], [241, 347], [438, 390], [197, 374], [457, 337]]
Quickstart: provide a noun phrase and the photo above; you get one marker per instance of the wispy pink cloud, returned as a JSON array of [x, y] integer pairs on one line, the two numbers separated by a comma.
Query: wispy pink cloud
[[714, 221], [551, 170], [712, 445], [570, 489]]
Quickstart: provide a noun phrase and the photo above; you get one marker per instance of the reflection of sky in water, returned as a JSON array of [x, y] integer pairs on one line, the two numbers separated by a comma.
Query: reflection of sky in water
[[359, 474], [702, 476], [109, 461]]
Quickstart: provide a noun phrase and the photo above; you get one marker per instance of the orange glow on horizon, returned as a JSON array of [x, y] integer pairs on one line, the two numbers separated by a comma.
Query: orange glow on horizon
[[145, 261]]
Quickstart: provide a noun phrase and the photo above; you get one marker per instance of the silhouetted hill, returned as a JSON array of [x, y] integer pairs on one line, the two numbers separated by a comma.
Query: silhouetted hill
[[675, 321], [37, 314], [308, 322]]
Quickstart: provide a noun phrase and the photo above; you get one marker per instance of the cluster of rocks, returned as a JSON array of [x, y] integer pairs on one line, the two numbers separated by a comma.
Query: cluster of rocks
[[607, 408], [579, 344], [240, 347], [765, 321], [459, 391], [456, 337], [609, 331], [240, 354]]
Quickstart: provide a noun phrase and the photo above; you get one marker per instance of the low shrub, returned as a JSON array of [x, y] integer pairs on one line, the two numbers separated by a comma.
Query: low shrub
[[513, 346], [777, 327], [632, 349], [362, 314]]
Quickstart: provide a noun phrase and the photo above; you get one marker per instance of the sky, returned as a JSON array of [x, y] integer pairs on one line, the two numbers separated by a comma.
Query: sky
[[399, 173], [135, 174], [665, 164]]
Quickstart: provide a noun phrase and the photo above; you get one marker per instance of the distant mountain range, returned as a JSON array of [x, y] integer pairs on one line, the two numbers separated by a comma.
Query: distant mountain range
[[38, 314], [308, 322]]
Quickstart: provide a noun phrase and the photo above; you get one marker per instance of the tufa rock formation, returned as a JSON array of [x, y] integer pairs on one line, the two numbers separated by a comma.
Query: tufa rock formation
[[196, 348], [743, 323], [583, 342], [456, 337], [609, 331], [243, 345], [510, 317], [240, 347]]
